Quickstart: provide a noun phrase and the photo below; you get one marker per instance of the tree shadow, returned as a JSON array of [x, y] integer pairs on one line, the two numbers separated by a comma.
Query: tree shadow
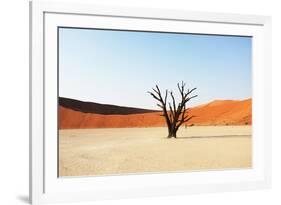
[[215, 136]]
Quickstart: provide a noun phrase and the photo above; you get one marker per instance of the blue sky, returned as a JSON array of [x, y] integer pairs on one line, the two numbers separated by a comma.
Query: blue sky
[[119, 67]]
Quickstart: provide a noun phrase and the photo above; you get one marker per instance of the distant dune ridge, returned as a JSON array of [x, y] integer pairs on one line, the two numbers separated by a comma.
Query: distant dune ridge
[[74, 114], [97, 108]]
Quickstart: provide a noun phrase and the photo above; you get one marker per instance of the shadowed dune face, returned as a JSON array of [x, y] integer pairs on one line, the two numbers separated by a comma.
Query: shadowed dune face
[[219, 112], [97, 108]]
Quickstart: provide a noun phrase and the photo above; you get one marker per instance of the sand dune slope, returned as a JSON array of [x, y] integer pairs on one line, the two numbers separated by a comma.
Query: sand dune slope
[[219, 112], [223, 112]]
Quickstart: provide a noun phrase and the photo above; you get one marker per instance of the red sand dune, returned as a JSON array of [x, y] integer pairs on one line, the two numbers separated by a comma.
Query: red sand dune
[[218, 112]]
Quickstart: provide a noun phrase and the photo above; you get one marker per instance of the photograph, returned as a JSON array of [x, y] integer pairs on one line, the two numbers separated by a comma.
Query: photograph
[[144, 102]]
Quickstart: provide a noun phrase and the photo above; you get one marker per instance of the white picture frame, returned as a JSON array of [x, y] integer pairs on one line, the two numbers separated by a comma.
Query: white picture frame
[[46, 187]]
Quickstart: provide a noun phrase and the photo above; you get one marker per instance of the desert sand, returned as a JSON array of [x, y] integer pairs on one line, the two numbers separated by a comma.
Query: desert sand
[[113, 151]]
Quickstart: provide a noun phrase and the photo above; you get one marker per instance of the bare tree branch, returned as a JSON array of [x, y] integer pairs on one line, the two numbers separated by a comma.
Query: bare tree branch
[[177, 115]]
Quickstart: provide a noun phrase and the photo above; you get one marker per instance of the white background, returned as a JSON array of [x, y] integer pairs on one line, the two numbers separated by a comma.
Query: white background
[[14, 100]]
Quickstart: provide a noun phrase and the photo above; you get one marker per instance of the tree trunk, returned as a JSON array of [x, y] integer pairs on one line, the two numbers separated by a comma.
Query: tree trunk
[[172, 133]]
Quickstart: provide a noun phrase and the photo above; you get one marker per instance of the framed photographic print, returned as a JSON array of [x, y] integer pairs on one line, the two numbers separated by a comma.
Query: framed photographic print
[[129, 102]]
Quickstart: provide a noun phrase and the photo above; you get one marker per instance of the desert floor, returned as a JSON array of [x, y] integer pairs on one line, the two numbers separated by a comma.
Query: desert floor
[[84, 152]]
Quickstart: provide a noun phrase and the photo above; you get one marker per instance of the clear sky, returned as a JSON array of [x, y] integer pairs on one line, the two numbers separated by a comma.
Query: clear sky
[[119, 67]]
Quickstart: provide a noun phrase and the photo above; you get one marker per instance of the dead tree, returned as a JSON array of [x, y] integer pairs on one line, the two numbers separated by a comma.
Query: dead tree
[[176, 115]]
